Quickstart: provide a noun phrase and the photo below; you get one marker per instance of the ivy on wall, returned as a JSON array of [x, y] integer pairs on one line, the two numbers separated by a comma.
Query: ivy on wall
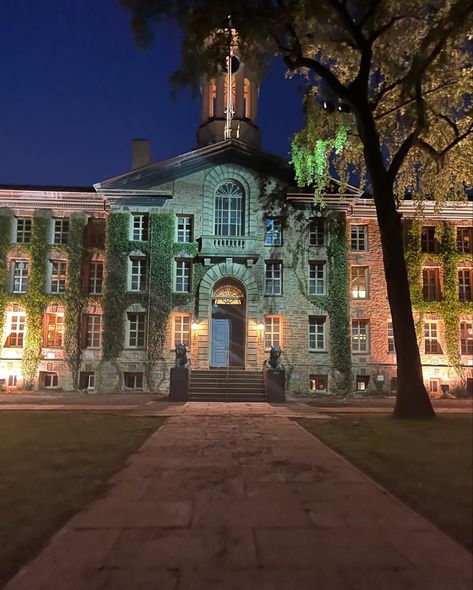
[[6, 222], [448, 308]]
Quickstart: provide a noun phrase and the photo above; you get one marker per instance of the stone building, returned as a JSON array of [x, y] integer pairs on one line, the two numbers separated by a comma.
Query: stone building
[[217, 249]]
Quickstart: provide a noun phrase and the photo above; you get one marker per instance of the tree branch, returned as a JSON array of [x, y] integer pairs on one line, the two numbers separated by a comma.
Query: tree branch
[[351, 27]]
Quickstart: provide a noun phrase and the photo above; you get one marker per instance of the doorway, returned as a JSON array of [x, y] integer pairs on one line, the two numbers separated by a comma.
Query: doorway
[[228, 330]]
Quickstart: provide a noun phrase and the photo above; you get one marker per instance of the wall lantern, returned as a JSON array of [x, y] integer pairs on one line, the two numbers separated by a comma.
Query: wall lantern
[[261, 327], [195, 325]]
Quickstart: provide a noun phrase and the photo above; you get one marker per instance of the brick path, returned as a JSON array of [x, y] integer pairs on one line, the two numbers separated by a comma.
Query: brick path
[[245, 502]]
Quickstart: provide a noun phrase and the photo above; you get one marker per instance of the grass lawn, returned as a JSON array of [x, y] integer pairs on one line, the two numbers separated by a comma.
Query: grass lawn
[[51, 466], [428, 465]]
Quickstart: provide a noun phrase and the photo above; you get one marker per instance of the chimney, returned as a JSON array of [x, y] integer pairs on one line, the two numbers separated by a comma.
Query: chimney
[[140, 153]]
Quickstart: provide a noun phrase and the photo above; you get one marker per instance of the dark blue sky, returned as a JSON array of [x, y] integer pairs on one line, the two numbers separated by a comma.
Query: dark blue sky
[[75, 90]]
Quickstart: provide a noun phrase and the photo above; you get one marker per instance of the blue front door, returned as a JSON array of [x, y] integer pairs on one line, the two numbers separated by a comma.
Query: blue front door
[[220, 343]]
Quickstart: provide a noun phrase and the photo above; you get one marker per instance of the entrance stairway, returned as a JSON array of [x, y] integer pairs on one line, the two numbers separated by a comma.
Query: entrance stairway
[[226, 385]]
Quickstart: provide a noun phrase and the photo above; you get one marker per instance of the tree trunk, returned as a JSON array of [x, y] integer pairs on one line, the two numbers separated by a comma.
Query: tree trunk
[[412, 399]]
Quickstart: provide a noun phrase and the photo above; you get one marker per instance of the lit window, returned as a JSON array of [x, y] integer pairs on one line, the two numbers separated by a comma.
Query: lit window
[[273, 278], [16, 331], [318, 382], [184, 229], [391, 345], [20, 276], [182, 330], [359, 238], [94, 331], [434, 386], [133, 380], [431, 284], [61, 231], [12, 380], [23, 231], [212, 97], [359, 282], [317, 232], [138, 270], [466, 338], [272, 232], [139, 227], [229, 210], [362, 382], [431, 343], [246, 98], [95, 278], [182, 276], [136, 330], [272, 331], [225, 91], [428, 243], [464, 284], [54, 330], [464, 240], [317, 332], [58, 276], [360, 335], [316, 278]]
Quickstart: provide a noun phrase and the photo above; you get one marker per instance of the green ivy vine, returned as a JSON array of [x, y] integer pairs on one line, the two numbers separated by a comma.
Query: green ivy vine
[[6, 222], [449, 308]]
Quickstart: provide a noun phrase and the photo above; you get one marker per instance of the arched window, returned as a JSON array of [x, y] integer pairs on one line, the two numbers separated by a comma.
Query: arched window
[[212, 97], [228, 294], [229, 209], [247, 98]]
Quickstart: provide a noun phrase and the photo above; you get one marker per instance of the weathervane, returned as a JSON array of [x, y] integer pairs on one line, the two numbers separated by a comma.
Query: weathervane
[[229, 108]]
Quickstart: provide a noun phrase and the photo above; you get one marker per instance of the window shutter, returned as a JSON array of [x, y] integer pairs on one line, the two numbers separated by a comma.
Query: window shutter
[[83, 330]]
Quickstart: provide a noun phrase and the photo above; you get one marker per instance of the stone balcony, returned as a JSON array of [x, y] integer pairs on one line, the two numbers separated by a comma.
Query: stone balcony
[[225, 246]]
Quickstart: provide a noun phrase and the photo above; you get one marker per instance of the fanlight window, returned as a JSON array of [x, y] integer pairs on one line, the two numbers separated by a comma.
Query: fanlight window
[[228, 295], [229, 210]]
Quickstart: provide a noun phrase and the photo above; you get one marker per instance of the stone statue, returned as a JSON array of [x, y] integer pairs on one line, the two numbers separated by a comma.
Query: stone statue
[[181, 356], [274, 355]]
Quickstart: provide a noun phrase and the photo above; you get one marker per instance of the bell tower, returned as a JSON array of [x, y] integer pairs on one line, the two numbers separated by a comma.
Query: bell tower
[[230, 116]]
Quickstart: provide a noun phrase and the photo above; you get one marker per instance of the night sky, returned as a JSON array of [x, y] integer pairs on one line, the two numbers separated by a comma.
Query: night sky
[[75, 90]]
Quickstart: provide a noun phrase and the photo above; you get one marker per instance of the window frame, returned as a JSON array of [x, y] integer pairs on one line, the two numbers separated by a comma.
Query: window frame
[[391, 342], [60, 231], [466, 338], [273, 243], [461, 231], [93, 331], [272, 329], [139, 332], [315, 321], [428, 240], [317, 232], [138, 281], [465, 280], [356, 335], [184, 277], [24, 232], [433, 341], [356, 285], [57, 276], [223, 216], [23, 276], [185, 231], [139, 232], [94, 277], [313, 282], [181, 330], [359, 240], [315, 378], [57, 331], [16, 330], [273, 280]]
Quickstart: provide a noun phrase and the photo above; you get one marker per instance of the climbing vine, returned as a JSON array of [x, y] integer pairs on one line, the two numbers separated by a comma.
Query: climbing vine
[[74, 298], [6, 219], [35, 300], [449, 308]]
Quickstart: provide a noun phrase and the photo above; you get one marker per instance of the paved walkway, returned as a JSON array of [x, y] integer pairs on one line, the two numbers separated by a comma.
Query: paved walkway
[[247, 503]]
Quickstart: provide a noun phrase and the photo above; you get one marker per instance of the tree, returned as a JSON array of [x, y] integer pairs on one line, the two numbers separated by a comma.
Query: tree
[[398, 77]]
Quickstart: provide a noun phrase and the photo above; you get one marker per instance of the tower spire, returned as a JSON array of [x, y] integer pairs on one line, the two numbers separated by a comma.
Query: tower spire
[[229, 108]]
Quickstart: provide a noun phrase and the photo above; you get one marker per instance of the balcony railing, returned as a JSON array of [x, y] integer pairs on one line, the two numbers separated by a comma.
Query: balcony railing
[[228, 245]]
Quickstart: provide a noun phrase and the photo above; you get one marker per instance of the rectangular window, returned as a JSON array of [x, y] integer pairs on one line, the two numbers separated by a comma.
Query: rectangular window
[[138, 274], [466, 338], [362, 382], [428, 243], [317, 232], [464, 284], [139, 227], [54, 330], [86, 380], [136, 330], [316, 278], [16, 331], [360, 335], [431, 343], [359, 282], [23, 231], [182, 277], [94, 235], [391, 345], [318, 382], [58, 276], [434, 386], [20, 276], [182, 330], [95, 278], [317, 332], [272, 331], [431, 284], [184, 229], [49, 380], [273, 282], [12, 379], [94, 331], [272, 232], [359, 238], [465, 240], [61, 231], [133, 380]]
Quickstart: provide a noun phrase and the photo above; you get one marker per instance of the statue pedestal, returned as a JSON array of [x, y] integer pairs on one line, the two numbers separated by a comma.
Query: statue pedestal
[[179, 386], [274, 384]]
